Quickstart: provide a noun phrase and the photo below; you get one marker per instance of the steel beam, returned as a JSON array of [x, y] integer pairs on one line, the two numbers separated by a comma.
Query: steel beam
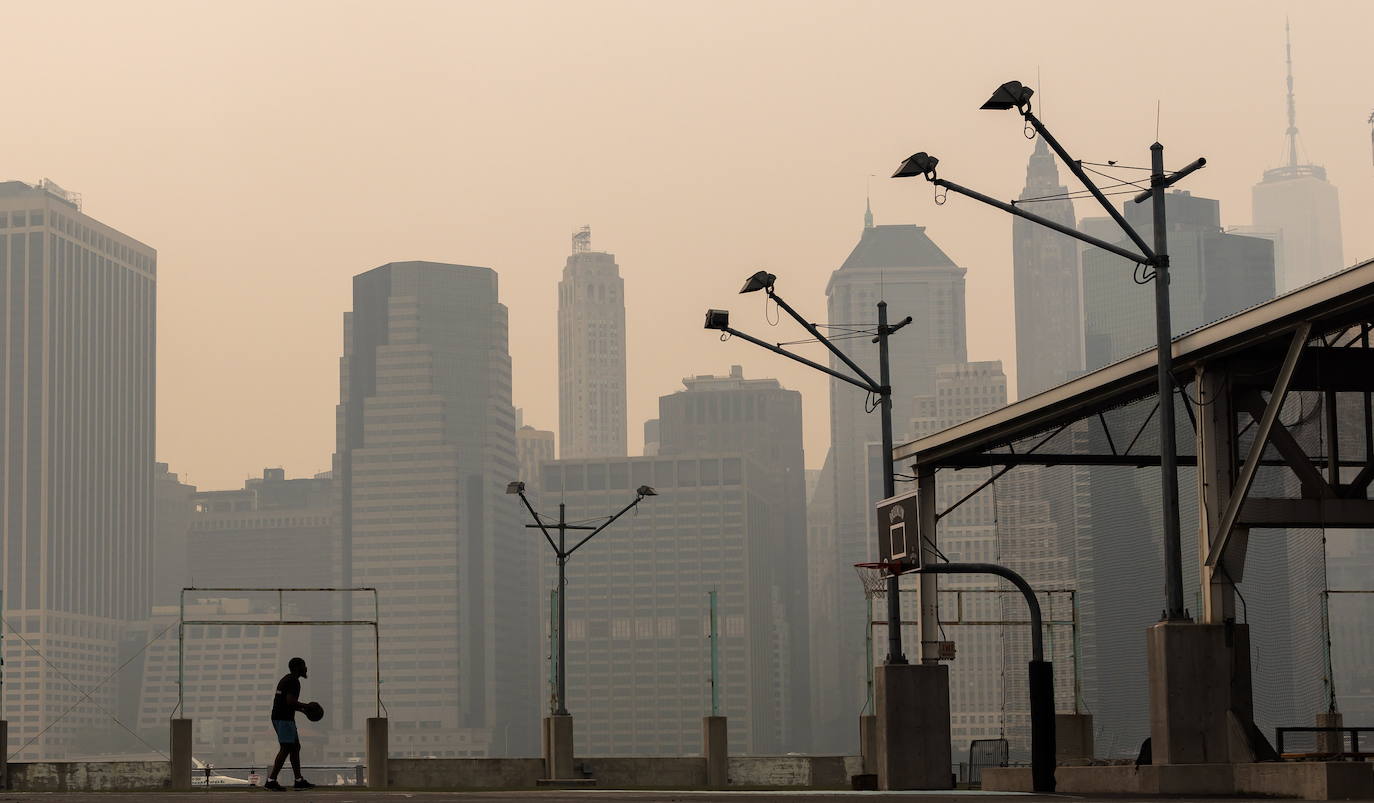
[[1266, 426], [1340, 513]]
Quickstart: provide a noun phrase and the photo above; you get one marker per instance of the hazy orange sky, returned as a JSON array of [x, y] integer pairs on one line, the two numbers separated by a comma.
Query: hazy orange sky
[[271, 150]]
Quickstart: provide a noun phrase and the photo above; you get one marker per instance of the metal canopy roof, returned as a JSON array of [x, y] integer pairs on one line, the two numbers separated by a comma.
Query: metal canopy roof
[[1331, 304]]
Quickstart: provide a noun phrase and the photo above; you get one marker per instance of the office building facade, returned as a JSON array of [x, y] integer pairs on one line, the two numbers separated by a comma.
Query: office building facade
[[426, 446], [77, 492], [1049, 336], [591, 353], [902, 265]]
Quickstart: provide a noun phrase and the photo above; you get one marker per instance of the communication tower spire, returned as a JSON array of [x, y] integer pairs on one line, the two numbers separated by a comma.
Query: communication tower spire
[[1292, 104], [582, 240]]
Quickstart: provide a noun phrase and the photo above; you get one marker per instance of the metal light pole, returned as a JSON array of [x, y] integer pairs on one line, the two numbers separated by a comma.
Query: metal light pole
[[1014, 95], [563, 553], [719, 320]]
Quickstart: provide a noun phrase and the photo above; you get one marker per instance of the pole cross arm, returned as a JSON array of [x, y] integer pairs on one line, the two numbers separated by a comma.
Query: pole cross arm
[[1172, 179], [1222, 537], [870, 386], [538, 522], [1046, 222], [608, 522], [811, 328]]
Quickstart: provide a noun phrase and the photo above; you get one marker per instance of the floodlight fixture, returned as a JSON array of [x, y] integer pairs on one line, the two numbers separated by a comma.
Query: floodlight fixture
[[763, 280], [1011, 95], [645, 490], [718, 319], [917, 164], [516, 487]]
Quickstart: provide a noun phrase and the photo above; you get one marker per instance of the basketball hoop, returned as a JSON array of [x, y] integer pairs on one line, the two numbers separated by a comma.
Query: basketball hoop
[[874, 576]]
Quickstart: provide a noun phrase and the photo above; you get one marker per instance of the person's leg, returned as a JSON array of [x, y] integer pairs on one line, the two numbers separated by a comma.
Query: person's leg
[[282, 752], [296, 759]]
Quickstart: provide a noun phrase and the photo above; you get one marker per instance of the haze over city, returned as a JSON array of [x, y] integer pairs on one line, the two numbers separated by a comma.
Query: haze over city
[[270, 151]]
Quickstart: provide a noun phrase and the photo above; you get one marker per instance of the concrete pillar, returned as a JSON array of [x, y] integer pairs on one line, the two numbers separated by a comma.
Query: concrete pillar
[[4, 754], [378, 752], [716, 748], [1331, 742], [181, 755], [559, 763], [1073, 737], [868, 743], [1199, 674], [913, 726]]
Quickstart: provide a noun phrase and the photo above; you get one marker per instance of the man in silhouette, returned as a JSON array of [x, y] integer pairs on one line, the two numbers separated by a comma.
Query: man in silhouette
[[284, 707]]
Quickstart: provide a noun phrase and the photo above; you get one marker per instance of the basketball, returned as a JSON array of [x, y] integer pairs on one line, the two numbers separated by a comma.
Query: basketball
[[314, 712]]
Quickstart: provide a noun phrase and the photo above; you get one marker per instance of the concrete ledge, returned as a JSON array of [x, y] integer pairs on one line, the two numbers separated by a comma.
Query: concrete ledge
[[1308, 780], [88, 776], [465, 773]]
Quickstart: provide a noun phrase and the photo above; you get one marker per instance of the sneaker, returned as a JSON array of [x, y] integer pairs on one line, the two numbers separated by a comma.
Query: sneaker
[[273, 785], [302, 783]]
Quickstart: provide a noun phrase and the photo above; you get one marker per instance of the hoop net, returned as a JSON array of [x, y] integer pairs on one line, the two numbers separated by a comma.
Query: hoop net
[[874, 577]]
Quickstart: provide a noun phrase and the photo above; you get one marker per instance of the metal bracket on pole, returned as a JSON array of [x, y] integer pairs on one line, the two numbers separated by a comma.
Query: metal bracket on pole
[[1262, 435]]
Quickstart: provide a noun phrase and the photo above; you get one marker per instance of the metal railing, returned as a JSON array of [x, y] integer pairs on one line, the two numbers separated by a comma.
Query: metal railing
[[1353, 753]]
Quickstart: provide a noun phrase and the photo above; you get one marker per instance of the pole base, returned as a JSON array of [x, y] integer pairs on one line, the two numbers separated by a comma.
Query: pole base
[[913, 747], [558, 739], [716, 744]]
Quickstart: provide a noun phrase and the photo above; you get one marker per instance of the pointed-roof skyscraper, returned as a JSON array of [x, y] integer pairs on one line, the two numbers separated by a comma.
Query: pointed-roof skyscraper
[[1049, 325], [1297, 201]]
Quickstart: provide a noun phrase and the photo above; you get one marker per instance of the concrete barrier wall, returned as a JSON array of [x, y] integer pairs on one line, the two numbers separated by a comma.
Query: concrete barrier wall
[[662, 772], [465, 773], [89, 776]]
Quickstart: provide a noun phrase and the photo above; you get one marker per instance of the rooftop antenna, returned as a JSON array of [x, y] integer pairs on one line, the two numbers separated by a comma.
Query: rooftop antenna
[[582, 240], [1292, 104]]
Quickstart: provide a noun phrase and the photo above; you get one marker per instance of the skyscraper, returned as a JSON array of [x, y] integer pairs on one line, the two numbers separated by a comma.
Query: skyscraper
[[638, 610], [899, 264], [426, 446], [762, 420], [591, 353], [77, 492], [1049, 337], [1297, 200]]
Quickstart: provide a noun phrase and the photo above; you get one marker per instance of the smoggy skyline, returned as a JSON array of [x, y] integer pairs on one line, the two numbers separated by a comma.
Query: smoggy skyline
[[272, 151]]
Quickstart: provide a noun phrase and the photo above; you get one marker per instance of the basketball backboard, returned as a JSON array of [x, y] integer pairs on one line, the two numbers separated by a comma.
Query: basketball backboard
[[898, 537]]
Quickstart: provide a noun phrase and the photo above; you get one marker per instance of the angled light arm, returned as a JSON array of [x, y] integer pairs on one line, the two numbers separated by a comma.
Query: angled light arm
[[1043, 221], [1077, 170], [539, 521], [605, 524], [810, 327], [1172, 179], [871, 387]]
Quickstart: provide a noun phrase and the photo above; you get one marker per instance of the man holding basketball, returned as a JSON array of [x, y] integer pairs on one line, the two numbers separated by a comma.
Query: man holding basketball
[[284, 707]]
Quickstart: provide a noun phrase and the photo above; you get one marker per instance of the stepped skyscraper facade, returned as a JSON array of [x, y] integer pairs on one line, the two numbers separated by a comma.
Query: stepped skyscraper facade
[[1049, 334], [1298, 202], [77, 494], [591, 354], [426, 445], [902, 265]]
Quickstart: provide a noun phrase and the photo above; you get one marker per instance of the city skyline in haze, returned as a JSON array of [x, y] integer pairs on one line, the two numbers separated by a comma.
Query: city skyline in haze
[[275, 162]]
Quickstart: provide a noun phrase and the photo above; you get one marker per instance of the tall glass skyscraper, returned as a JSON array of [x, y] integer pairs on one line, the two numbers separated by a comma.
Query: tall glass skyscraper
[[76, 496], [426, 445]]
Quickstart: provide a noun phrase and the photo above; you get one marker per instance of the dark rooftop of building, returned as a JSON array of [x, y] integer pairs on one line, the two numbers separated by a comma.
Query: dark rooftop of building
[[902, 246]]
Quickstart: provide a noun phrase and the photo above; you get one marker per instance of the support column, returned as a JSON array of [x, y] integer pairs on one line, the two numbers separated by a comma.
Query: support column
[[868, 743], [181, 755], [913, 726], [716, 748], [1199, 676], [1216, 476], [378, 752], [4, 754], [1331, 742], [559, 764]]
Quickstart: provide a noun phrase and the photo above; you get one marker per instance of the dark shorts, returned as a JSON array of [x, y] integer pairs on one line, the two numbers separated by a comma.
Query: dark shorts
[[286, 731]]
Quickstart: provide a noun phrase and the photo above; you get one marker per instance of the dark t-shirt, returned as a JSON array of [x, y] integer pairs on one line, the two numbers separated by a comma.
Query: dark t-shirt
[[289, 686]]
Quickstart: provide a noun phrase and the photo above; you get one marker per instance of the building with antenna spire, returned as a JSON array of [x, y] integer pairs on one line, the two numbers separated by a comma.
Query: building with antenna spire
[[1297, 201]]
